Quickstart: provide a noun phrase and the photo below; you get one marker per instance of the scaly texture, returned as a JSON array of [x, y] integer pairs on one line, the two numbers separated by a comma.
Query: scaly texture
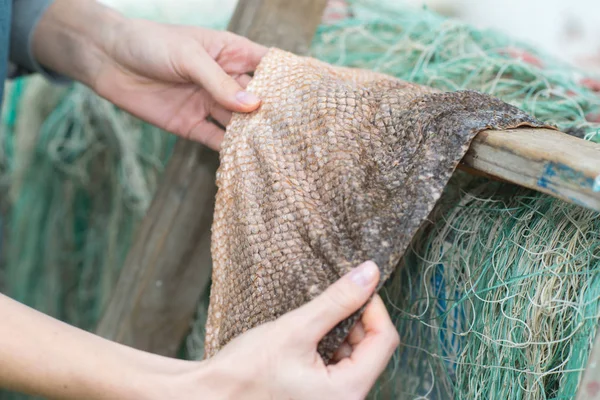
[[337, 166]]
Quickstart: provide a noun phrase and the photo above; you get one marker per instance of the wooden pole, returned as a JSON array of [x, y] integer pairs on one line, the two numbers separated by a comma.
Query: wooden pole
[[169, 264], [545, 160]]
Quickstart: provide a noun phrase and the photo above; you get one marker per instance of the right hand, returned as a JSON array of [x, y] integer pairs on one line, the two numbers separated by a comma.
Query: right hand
[[279, 360]]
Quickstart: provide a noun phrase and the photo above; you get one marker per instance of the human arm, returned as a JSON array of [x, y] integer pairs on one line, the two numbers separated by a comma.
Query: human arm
[[174, 77], [277, 360], [43, 356]]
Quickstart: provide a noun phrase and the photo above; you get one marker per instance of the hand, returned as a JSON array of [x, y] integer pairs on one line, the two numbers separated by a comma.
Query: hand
[[279, 360], [174, 77]]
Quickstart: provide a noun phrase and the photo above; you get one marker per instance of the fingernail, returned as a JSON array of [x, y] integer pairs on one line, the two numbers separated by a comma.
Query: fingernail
[[364, 274], [247, 98]]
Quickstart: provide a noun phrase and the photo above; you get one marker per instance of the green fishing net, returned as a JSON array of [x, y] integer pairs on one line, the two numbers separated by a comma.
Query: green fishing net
[[498, 296]]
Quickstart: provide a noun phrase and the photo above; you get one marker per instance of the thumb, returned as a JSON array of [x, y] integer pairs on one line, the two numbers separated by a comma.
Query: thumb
[[339, 301], [207, 73]]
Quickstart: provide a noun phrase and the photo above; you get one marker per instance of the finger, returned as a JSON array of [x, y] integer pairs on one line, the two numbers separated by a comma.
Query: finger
[[338, 302], [221, 115], [357, 334], [222, 87], [344, 351], [208, 134], [243, 53], [244, 80], [370, 357]]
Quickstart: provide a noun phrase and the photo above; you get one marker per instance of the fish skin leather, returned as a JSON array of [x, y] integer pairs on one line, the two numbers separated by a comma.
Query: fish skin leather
[[336, 167]]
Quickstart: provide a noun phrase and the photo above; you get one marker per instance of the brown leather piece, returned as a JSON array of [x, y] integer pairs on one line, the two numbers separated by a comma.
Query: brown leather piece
[[338, 166]]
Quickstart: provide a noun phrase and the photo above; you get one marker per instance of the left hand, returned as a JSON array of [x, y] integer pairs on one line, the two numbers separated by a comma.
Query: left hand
[[174, 77]]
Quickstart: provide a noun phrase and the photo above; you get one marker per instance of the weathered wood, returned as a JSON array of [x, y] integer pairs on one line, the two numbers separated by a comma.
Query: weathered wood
[[158, 288], [545, 160], [285, 24], [169, 264]]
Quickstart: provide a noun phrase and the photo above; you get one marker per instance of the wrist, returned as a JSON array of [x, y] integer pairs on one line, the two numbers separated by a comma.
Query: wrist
[[134, 375], [51, 359], [74, 38], [215, 380]]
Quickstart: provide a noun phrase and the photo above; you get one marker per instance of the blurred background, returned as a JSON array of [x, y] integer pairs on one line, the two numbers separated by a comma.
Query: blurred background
[[568, 30], [77, 176]]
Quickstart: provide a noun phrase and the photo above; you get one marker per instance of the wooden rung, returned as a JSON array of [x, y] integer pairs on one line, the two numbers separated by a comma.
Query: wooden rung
[[545, 160]]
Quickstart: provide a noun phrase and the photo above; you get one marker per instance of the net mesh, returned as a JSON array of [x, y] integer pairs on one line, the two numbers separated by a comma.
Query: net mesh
[[498, 297]]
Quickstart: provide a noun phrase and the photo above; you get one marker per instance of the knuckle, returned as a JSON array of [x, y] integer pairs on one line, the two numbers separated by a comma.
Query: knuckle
[[227, 36], [393, 338]]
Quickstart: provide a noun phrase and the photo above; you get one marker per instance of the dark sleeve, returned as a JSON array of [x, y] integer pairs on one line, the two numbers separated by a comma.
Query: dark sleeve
[[25, 17]]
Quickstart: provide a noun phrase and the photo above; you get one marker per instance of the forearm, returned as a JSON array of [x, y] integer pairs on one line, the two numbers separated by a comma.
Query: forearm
[[42, 356], [72, 37]]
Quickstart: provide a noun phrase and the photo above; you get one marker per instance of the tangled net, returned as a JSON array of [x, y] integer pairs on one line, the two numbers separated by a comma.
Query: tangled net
[[498, 297], [79, 176]]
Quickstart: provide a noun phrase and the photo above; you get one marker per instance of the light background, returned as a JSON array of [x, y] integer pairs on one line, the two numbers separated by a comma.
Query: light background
[[568, 29]]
